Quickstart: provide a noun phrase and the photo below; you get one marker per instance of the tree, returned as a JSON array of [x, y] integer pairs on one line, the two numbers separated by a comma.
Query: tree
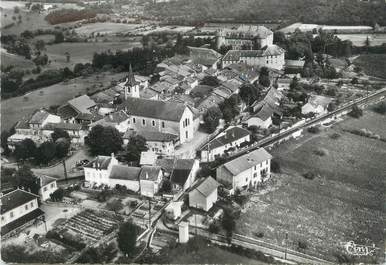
[[166, 186], [114, 205], [57, 195], [26, 180], [62, 146], [40, 45], [4, 142], [127, 237], [104, 140], [59, 133], [249, 93], [135, 146], [25, 149], [45, 152], [59, 37], [356, 112], [229, 108], [212, 118], [275, 166], [228, 222], [264, 77]]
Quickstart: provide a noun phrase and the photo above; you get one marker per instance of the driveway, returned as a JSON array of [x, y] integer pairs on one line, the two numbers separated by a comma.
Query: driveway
[[188, 149]]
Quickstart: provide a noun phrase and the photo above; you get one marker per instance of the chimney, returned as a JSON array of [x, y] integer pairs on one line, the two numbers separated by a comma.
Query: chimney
[[40, 182], [147, 175]]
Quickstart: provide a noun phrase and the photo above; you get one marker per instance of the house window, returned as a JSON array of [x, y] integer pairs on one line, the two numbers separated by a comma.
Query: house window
[[143, 122], [255, 167], [133, 120], [52, 185], [11, 214], [26, 207], [163, 124], [187, 134], [32, 204], [45, 189], [153, 122], [2, 218], [255, 175]]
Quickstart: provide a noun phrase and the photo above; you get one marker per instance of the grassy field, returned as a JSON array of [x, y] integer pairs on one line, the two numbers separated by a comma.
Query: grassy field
[[372, 64], [17, 61], [209, 254], [14, 109], [343, 203], [106, 28], [82, 52]]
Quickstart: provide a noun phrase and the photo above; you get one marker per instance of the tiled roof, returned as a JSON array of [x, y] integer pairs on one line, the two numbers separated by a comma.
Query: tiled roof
[[163, 110], [179, 168], [158, 136], [237, 55], [114, 118], [82, 103], [15, 198], [66, 112], [204, 56], [45, 180], [149, 173], [125, 172], [207, 186], [317, 100], [19, 222], [247, 161], [39, 116], [100, 162], [229, 136]]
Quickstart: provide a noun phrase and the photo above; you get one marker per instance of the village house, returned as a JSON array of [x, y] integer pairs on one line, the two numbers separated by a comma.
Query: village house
[[204, 194], [317, 105], [76, 131], [244, 37], [19, 209], [271, 56], [150, 180], [78, 110], [148, 158], [161, 116], [173, 210], [232, 138], [124, 175], [181, 172], [98, 170], [47, 186], [246, 171], [118, 120], [204, 56]]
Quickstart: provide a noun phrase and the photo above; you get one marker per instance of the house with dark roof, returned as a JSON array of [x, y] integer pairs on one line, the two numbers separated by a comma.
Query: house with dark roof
[[19, 209], [231, 138], [47, 186], [204, 56], [181, 172], [150, 180], [160, 116], [271, 56], [204, 194], [246, 171], [316, 104], [76, 131], [98, 170]]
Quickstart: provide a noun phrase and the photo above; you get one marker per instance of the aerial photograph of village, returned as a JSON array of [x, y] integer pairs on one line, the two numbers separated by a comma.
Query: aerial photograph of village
[[193, 132]]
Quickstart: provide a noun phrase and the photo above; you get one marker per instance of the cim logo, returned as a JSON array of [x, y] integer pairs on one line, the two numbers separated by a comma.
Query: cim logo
[[359, 250]]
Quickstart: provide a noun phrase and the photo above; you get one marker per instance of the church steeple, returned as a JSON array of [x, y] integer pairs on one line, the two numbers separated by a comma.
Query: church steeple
[[131, 86], [130, 78]]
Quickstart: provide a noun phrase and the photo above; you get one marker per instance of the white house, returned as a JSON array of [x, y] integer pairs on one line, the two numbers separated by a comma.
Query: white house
[[173, 210], [262, 119], [204, 195], [231, 138], [181, 172], [148, 158], [160, 116], [316, 104], [271, 56], [75, 130], [98, 170], [149, 180], [246, 171], [19, 209], [47, 186], [124, 175]]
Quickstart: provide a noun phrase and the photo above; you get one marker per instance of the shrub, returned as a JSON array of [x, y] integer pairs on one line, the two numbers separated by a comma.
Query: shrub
[[302, 245], [335, 136], [314, 129], [356, 112], [321, 152], [214, 228], [259, 234], [380, 108], [309, 175], [275, 166]]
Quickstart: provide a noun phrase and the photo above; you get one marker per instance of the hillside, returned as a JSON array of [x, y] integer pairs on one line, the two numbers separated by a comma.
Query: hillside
[[344, 12]]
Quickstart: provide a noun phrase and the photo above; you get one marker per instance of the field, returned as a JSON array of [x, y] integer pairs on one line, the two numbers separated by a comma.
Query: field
[[17, 61], [343, 203], [82, 52], [14, 109], [209, 254], [106, 28], [372, 64]]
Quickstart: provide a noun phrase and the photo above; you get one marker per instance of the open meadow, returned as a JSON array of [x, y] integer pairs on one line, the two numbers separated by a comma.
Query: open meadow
[[13, 109], [19, 62], [372, 64], [343, 202], [82, 52]]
